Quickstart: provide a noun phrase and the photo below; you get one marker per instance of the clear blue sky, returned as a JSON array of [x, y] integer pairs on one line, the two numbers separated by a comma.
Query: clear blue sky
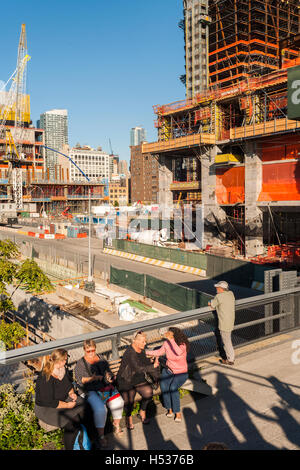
[[106, 62]]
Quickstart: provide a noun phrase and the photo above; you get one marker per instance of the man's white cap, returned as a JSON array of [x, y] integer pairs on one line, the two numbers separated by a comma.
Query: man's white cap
[[222, 284]]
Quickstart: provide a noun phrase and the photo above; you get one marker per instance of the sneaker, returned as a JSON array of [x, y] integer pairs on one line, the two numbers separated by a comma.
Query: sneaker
[[177, 420], [169, 415]]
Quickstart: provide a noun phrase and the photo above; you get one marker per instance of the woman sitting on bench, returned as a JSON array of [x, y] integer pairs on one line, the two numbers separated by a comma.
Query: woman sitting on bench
[[131, 378], [175, 372], [56, 403], [95, 382]]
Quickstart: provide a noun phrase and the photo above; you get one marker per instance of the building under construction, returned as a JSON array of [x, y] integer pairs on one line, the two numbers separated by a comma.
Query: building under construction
[[232, 148], [25, 182]]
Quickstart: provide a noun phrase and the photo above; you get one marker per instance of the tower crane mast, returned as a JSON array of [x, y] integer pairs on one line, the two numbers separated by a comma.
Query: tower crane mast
[[15, 106]]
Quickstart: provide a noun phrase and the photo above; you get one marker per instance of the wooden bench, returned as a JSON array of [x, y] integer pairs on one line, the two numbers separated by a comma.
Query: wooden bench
[[195, 384]]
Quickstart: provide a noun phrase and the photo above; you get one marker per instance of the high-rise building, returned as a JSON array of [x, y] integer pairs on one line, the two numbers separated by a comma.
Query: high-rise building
[[244, 38], [137, 136], [196, 30], [144, 176], [228, 40], [55, 124]]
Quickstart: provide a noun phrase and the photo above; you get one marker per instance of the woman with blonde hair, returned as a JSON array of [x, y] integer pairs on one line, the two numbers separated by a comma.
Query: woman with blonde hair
[[56, 403], [131, 378], [96, 383]]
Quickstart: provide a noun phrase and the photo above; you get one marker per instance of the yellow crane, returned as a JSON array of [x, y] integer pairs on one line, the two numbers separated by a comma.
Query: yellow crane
[[14, 109]]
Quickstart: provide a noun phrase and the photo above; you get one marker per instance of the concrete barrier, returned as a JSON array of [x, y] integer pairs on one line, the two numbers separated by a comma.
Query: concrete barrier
[[80, 296]]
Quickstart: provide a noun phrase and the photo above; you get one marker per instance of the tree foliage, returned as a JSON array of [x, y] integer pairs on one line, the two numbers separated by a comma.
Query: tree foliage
[[23, 274], [11, 334]]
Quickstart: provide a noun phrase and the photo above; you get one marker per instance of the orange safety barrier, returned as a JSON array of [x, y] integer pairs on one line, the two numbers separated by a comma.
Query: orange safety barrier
[[81, 235], [31, 234], [230, 185], [59, 236], [280, 182], [41, 235]]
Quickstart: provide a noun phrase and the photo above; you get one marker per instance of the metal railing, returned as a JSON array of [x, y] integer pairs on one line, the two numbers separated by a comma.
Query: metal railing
[[256, 318]]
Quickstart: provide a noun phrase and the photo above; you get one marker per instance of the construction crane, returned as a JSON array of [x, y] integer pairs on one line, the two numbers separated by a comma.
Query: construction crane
[[14, 108], [111, 150]]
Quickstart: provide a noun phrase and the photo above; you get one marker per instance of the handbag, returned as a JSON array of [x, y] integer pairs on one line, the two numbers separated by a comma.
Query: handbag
[[151, 380], [108, 393]]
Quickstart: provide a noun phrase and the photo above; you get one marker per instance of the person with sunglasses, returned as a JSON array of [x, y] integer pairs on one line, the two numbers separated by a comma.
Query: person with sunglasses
[[94, 380], [131, 378]]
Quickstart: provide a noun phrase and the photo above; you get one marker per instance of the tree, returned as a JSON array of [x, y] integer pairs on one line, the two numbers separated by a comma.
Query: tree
[[26, 274]]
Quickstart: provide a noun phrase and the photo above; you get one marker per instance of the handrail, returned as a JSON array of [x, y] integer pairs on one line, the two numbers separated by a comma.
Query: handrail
[[114, 334]]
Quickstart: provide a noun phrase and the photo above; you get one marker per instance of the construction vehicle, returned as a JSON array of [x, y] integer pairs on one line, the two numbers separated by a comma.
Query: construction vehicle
[[66, 214]]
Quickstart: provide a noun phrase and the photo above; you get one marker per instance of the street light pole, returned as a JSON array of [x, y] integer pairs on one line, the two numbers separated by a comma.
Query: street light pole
[[90, 275]]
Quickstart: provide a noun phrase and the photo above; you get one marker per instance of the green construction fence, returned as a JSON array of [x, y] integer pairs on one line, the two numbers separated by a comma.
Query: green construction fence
[[173, 295], [234, 271]]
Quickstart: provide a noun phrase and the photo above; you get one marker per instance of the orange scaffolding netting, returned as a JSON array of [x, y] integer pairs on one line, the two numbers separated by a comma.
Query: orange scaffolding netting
[[230, 185], [280, 182]]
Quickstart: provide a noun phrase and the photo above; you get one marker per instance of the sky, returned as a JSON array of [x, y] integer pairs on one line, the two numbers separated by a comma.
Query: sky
[[107, 63]]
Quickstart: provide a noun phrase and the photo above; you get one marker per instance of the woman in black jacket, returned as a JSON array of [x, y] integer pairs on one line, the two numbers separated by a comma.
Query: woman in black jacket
[[131, 378], [56, 403]]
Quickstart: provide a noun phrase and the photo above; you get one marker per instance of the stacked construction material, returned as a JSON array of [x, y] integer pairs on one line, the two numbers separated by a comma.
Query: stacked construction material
[[287, 254]]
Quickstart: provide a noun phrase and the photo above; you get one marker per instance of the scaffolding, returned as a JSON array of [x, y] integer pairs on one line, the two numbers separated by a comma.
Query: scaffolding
[[244, 37]]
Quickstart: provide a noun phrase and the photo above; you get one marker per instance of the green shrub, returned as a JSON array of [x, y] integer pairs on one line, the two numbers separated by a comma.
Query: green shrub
[[11, 334], [19, 427]]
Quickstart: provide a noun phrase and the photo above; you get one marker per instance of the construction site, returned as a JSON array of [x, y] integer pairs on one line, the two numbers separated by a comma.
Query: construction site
[[231, 147], [26, 184]]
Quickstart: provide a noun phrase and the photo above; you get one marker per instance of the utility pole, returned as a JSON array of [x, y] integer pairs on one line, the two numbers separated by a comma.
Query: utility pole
[[90, 276]]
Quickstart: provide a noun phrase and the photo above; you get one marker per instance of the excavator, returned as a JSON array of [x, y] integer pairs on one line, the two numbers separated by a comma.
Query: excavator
[[65, 213]]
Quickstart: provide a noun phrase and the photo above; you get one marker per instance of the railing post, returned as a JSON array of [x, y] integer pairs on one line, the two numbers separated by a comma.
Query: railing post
[[27, 334], [115, 342]]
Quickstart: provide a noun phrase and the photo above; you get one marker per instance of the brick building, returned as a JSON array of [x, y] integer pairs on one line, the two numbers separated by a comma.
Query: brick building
[[144, 176]]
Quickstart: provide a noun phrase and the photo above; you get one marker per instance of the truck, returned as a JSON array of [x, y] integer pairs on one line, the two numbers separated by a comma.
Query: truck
[[8, 214]]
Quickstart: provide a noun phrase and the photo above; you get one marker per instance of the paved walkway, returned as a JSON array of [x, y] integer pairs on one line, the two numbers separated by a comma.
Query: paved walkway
[[257, 406]]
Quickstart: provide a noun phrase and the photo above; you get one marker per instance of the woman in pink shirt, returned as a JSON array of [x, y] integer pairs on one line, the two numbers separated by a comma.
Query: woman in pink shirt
[[175, 348]]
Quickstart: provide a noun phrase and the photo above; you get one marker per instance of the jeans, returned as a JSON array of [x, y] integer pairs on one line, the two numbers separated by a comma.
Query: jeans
[[169, 385], [98, 407]]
